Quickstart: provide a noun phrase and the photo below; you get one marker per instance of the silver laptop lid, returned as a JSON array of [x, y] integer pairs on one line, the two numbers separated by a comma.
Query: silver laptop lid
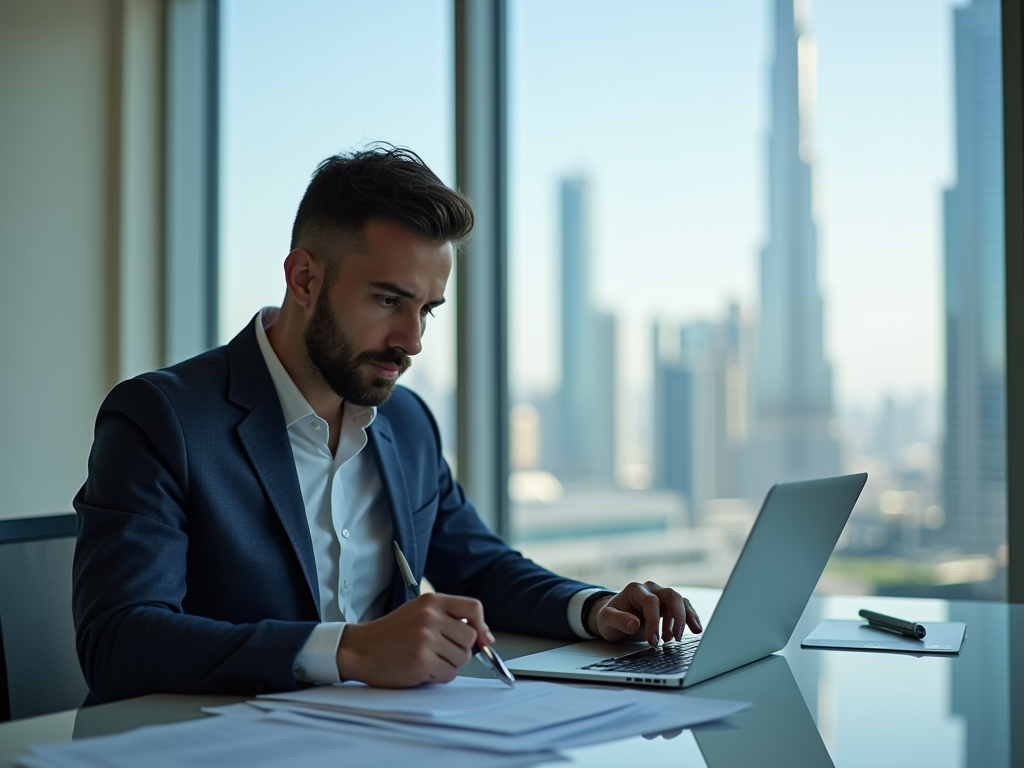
[[781, 562]]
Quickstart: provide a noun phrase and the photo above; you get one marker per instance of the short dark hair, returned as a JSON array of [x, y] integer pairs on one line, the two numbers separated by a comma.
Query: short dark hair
[[379, 182]]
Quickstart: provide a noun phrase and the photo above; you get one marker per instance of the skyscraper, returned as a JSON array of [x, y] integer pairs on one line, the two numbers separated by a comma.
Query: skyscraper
[[974, 471], [587, 447], [792, 407], [700, 408]]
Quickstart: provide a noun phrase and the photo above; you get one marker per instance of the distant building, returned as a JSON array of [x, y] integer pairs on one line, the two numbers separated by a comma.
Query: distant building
[[587, 398], [974, 453], [792, 398], [700, 409]]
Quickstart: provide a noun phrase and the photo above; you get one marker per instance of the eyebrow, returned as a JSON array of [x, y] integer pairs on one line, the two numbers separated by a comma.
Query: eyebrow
[[389, 287]]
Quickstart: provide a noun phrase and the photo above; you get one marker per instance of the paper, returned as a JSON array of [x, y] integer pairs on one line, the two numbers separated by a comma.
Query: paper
[[669, 713], [463, 697], [533, 716], [466, 702], [941, 637], [223, 742], [474, 722]]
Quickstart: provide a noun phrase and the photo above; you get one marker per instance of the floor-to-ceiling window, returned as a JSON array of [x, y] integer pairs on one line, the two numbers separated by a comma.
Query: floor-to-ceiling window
[[747, 243], [301, 81], [752, 242]]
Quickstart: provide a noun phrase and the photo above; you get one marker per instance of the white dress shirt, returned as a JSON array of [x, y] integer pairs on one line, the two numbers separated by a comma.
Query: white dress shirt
[[349, 523]]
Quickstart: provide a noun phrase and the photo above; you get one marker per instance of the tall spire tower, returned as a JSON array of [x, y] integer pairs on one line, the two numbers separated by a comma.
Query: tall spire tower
[[792, 379]]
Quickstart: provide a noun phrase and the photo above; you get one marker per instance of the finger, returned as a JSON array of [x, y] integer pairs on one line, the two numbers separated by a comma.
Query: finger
[[613, 618], [675, 614], [451, 655], [472, 611], [458, 632], [651, 607], [692, 619], [665, 610], [669, 628]]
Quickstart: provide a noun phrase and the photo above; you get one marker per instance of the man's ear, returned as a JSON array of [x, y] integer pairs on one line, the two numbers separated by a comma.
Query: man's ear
[[303, 274]]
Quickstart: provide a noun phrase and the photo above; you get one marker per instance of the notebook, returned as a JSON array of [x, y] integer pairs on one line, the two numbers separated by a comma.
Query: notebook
[[773, 578], [942, 637]]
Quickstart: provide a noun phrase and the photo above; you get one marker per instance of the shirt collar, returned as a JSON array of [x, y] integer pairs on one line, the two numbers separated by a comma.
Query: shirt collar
[[293, 404]]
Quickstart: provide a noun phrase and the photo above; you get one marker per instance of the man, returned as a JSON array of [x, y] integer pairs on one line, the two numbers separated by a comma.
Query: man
[[236, 528]]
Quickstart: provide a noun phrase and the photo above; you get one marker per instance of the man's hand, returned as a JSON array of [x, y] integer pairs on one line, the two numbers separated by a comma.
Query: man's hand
[[635, 613], [424, 640]]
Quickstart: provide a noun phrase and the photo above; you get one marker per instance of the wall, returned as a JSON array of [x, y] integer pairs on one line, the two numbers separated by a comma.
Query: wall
[[78, 138]]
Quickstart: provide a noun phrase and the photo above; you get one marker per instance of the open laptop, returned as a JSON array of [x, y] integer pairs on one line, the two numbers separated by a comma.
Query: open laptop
[[787, 549]]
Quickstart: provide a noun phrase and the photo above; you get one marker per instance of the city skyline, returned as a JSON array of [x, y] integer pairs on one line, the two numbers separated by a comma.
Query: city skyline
[[882, 117], [689, 217]]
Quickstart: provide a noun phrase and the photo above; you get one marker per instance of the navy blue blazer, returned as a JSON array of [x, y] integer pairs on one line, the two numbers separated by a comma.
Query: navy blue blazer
[[194, 570]]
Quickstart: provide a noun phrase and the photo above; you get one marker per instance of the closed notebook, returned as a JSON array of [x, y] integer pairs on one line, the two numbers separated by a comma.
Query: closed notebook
[[942, 637]]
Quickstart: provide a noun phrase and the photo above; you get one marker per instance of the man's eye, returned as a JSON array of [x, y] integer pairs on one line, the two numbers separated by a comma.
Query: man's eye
[[427, 311], [388, 301]]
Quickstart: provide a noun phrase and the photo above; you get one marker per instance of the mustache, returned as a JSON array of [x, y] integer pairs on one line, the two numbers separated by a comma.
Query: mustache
[[387, 358]]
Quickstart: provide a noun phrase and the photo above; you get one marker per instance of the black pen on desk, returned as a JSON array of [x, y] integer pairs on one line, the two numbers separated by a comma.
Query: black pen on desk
[[892, 624], [485, 653]]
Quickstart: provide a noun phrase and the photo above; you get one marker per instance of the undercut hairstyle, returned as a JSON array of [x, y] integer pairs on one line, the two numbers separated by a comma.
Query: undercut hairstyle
[[380, 182]]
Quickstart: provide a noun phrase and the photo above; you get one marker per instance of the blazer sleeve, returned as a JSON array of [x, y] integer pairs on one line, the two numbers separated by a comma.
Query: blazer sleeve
[[133, 636]]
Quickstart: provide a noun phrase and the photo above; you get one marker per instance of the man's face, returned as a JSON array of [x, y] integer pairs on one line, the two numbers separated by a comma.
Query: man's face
[[370, 321]]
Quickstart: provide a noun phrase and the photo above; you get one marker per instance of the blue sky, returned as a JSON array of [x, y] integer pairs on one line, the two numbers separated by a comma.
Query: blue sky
[[663, 105]]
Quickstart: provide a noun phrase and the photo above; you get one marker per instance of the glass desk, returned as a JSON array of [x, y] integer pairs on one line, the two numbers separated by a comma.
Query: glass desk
[[810, 707]]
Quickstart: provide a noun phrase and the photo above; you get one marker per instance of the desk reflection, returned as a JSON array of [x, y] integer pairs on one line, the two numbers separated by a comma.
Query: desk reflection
[[777, 729]]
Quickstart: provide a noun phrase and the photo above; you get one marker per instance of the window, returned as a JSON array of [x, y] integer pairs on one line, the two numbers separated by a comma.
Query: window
[[300, 82], [751, 244]]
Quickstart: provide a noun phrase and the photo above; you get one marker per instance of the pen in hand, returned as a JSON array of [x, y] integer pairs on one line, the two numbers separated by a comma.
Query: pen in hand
[[487, 655]]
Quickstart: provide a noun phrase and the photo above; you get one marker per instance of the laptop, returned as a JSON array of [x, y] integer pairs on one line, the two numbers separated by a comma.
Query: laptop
[[783, 558]]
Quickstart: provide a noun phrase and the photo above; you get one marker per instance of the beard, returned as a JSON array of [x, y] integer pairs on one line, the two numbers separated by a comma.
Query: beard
[[330, 355]]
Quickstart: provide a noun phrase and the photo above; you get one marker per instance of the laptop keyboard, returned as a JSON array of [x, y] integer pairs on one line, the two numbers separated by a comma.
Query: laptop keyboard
[[668, 659]]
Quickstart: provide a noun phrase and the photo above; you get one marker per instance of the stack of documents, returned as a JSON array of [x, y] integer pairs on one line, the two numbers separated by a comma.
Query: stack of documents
[[480, 722], [484, 714], [254, 742]]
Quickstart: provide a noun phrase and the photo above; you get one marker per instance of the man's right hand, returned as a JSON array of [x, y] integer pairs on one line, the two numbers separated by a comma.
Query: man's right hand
[[424, 640]]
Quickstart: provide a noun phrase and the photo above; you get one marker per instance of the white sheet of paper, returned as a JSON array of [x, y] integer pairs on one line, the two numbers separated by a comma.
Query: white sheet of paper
[[265, 742], [637, 719], [461, 697], [548, 716], [489, 704]]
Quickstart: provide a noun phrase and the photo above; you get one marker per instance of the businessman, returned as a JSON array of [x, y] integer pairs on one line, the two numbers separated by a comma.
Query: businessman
[[236, 526]]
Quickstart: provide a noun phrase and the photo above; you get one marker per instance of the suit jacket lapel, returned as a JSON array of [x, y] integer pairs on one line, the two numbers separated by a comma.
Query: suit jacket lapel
[[396, 491], [265, 439]]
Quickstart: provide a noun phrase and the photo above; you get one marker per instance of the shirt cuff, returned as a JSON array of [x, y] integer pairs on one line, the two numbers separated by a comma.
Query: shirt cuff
[[317, 662], [576, 613]]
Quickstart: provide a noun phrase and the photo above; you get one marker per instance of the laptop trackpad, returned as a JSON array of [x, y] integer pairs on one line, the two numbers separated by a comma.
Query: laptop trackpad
[[571, 657], [598, 648]]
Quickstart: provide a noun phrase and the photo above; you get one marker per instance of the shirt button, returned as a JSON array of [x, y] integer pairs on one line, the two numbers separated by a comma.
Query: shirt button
[[315, 425], [346, 584], [345, 533]]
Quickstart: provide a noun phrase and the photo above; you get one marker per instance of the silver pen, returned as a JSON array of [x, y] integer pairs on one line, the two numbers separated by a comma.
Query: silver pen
[[487, 655]]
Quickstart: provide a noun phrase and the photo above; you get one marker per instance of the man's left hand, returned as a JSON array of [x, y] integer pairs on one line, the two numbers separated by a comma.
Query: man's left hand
[[636, 612]]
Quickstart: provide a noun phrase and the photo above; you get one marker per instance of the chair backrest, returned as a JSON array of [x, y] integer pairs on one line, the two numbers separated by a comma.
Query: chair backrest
[[39, 670]]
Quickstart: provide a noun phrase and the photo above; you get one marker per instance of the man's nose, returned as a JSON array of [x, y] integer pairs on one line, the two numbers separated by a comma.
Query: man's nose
[[407, 334]]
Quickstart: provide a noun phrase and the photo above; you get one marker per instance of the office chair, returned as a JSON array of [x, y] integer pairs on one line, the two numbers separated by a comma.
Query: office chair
[[39, 671]]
